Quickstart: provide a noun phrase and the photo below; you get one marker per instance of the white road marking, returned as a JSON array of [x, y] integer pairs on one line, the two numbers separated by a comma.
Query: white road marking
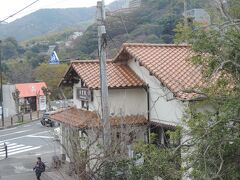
[[14, 148], [27, 125], [25, 150], [20, 148], [9, 129], [25, 136], [7, 143], [42, 132], [18, 132], [44, 137]]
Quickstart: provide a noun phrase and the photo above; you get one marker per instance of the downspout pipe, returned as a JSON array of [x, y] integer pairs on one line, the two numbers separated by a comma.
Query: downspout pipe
[[148, 112]]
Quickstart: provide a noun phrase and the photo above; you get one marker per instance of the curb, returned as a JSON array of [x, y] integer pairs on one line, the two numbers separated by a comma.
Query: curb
[[16, 125]]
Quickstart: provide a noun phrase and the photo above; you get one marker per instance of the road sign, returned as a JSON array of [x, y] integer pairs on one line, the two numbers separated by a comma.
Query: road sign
[[54, 58]]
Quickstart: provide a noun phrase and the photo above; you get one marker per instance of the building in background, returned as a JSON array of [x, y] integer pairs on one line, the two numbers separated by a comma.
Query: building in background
[[23, 98], [199, 16], [9, 105], [124, 5]]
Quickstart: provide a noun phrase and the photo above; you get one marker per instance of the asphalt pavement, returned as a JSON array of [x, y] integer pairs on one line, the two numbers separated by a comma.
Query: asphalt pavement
[[25, 143]]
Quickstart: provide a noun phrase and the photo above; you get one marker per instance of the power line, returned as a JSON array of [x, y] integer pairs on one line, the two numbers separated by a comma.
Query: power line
[[14, 14], [122, 21], [44, 7]]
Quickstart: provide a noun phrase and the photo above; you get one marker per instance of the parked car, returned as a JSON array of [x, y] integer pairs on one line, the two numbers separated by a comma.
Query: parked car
[[45, 121]]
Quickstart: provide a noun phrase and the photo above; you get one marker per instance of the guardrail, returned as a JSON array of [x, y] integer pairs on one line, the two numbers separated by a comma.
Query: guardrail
[[4, 150]]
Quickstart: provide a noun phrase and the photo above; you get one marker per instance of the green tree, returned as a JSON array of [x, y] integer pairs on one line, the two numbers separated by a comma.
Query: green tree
[[19, 71], [9, 48], [158, 162], [51, 74], [214, 123]]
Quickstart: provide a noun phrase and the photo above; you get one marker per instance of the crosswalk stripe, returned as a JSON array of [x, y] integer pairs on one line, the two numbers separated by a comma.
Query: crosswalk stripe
[[25, 150], [17, 149], [18, 132], [14, 148], [12, 145], [9, 144]]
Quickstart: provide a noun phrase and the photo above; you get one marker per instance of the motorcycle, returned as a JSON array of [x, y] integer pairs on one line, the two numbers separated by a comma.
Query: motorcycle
[[45, 121]]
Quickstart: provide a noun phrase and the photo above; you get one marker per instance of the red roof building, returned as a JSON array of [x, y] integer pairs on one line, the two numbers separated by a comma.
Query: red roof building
[[30, 89], [31, 96]]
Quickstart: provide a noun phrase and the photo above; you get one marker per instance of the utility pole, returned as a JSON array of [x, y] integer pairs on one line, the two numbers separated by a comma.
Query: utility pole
[[1, 81], [102, 44], [185, 13]]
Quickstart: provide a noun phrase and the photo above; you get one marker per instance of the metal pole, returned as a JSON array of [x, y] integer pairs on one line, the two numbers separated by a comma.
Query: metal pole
[[185, 13], [102, 44], [1, 81], [11, 120], [6, 150]]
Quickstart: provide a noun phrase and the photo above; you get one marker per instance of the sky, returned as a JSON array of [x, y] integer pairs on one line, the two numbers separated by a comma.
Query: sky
[[9, 7]]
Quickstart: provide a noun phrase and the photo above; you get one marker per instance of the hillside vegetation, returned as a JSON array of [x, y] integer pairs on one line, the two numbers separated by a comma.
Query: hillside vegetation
[[45, 21], [154, 22]]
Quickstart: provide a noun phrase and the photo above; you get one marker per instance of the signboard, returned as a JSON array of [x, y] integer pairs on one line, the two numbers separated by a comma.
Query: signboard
[[84, 94], [54, 58], [42, 103]]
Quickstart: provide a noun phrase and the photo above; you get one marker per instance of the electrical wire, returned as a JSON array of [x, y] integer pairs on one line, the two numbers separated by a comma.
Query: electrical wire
[[14, 14], [44, 6]]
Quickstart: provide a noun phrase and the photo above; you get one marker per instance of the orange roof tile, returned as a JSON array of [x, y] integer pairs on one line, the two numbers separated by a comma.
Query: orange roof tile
[[30, 89], [169, 63], [87, 119], [118, 75]]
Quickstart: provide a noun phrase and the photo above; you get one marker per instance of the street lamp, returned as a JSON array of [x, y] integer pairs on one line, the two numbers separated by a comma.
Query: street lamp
[[1, 81]]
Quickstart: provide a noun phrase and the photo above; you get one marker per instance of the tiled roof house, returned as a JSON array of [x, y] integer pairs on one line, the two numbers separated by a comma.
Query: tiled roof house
[[169, 63], [124, 86], [127, 102], [144, 80]]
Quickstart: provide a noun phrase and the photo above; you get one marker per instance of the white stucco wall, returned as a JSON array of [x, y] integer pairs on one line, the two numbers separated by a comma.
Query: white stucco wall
[[121, 101], [163, 107], [8, 101], [76, 101]]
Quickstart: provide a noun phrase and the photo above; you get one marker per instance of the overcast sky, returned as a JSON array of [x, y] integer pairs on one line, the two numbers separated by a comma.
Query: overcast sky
[[9, 7]]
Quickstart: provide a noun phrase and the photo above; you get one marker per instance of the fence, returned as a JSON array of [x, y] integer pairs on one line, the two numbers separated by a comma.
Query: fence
[[21, 118]]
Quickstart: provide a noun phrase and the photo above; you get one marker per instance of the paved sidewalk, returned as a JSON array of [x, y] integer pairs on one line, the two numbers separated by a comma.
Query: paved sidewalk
[[25, 118], [24, 176], [58, 174]]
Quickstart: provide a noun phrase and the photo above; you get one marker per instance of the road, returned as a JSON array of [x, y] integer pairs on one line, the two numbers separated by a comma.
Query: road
[[25, 143]]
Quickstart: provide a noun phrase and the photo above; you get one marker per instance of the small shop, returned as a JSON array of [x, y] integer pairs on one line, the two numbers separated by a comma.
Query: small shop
[[31, 97]]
